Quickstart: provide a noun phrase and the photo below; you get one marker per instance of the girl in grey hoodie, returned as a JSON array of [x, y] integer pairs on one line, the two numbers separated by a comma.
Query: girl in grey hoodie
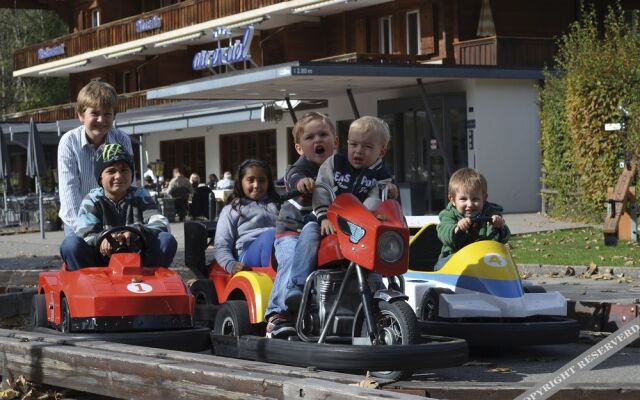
[[246, 226]]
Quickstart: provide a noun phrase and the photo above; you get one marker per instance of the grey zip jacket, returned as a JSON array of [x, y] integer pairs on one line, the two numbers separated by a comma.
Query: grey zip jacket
[[238, 228]]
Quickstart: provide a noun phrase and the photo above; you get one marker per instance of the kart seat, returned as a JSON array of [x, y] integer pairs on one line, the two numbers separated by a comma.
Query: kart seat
[[424, 249], [199, 207], [198, 236]]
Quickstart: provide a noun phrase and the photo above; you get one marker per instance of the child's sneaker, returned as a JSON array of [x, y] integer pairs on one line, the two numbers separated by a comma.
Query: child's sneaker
[[279, 327]]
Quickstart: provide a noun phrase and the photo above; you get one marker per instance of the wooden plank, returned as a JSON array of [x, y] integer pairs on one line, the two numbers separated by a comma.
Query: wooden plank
[[619, 198], [125, 371], [207, 359], [626, 223]]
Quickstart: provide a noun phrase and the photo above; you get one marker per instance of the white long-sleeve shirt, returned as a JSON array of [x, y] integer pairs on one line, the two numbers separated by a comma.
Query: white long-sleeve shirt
[[76, 176]]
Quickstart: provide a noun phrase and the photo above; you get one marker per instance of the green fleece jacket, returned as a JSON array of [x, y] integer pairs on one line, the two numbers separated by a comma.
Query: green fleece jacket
[[451, 242]]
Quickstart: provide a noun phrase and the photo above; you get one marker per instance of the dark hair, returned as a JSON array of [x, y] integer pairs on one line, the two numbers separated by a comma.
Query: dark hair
[[238, 193]]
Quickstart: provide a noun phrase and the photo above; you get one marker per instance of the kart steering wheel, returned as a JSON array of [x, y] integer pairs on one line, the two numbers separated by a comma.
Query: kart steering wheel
[[480, 220], [289, 195], [117, 247]]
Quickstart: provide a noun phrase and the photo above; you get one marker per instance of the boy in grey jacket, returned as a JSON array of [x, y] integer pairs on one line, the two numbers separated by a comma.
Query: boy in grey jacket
[[359, 173]]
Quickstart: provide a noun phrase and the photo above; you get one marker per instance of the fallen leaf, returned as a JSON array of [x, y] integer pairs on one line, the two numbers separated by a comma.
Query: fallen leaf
[[500, 370]]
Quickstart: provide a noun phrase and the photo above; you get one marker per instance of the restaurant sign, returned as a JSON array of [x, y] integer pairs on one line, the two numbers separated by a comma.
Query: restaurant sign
[[236, 52], [48, 52], [147, 24]]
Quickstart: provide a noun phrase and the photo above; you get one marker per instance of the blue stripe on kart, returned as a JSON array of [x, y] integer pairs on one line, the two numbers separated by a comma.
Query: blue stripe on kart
[[496, 287]]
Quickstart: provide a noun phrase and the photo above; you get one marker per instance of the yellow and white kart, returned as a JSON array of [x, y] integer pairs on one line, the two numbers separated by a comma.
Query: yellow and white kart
[[478, 296]]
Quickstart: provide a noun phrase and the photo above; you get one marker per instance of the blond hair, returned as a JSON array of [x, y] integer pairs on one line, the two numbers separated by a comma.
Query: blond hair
[[374, 124], [469, 180], [298, 128], [97, 94]]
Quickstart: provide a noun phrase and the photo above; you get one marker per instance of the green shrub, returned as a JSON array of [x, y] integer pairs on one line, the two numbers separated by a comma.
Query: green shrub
[[596, 71]]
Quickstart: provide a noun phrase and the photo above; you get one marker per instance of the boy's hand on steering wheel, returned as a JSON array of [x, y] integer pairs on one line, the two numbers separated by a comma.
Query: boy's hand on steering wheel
[[464, 225], [105, 248], [124, 238], [326, 228], [239, 266], [306, 185], [497, 221]]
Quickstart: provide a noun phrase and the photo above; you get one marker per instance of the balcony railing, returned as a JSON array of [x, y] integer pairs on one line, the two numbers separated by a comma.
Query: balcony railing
[[506, 51], [376, 58], [122, 31], [67, 111]]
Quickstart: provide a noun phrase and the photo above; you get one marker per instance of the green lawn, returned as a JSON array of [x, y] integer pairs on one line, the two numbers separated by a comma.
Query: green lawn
[[572, 247]]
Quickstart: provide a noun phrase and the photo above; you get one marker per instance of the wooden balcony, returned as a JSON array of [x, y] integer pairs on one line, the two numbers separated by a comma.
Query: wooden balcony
[[173, 17], [506, 51], [67, 111]]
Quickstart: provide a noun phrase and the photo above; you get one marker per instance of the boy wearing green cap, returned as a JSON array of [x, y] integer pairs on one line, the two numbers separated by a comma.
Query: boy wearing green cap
[[116, 203]]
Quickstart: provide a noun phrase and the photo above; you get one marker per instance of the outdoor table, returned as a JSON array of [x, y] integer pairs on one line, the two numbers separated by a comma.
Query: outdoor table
[[222, 194]]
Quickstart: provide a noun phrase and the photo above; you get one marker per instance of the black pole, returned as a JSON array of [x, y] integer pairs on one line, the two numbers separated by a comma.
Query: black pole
[[356, 114], [291, 112]]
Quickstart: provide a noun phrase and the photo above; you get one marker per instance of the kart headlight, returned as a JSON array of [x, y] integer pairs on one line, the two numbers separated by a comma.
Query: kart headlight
[[390, 246]]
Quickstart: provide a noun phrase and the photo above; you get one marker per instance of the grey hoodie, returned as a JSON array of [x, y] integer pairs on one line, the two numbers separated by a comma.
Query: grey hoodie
[[237, 230]]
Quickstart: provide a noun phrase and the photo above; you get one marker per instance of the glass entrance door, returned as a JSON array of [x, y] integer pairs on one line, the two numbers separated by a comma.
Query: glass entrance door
[[416, 158]]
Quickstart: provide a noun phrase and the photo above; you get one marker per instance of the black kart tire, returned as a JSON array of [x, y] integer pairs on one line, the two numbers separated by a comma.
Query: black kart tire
[[233, 319], [38, 318], [204, 292], [430, 304], [534, 289], [65, 316], [397, 325]]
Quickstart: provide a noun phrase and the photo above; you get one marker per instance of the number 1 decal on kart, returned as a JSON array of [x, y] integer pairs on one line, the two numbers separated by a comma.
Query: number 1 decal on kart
[[139, 287]]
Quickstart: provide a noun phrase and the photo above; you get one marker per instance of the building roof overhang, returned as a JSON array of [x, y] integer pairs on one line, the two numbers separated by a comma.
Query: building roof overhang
[[182, 115], [314, 80]]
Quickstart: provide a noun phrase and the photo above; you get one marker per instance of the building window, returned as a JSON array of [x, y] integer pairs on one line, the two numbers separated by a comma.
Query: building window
[[95, 17], [385, 35], [186, 154], [413, 32], [126, 82], [237, 147]]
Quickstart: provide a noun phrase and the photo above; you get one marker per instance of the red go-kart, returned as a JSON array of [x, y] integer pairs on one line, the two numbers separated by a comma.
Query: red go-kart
[[123, 301]]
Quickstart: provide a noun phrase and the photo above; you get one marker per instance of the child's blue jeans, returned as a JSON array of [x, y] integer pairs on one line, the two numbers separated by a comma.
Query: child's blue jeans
[[258, 253], [297, 256], [78, 254]]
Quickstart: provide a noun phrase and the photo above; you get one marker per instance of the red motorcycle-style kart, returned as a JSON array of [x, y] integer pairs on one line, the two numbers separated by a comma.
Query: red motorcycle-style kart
[[123, 302], [343, 323]]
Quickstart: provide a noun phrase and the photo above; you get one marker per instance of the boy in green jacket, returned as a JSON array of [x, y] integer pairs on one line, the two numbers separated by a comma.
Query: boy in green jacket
[[467, 200]]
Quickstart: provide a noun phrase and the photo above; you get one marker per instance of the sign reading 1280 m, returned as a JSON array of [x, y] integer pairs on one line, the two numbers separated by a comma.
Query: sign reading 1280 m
[[238, 51]]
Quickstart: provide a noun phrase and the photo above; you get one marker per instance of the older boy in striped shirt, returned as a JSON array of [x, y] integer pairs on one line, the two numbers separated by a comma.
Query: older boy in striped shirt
[[96, 108]]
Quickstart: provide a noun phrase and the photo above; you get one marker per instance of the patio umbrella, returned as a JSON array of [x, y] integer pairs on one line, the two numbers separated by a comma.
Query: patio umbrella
[[485, 23], [4, 169], [36, 167]]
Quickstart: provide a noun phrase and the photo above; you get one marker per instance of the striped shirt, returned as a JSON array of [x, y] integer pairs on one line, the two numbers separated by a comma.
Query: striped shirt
[[76, 161]]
